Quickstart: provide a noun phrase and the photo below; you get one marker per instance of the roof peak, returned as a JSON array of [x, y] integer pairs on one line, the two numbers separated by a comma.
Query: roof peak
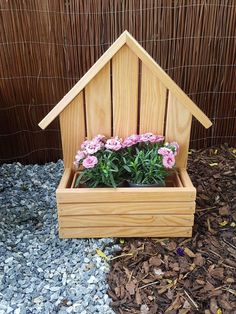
[[128, 39]]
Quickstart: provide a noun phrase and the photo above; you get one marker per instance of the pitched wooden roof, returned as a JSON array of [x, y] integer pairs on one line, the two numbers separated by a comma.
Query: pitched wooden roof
[[127, 39]]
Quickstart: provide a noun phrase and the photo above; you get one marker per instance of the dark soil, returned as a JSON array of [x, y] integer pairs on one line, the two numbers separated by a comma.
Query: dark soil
[[179, 275]]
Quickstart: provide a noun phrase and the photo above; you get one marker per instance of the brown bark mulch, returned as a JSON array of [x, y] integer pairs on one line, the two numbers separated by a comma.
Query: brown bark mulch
[[179, 275]]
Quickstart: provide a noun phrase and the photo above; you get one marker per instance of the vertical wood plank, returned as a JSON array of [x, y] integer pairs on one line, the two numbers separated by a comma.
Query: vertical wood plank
[[72, 129], [178, 128], [98, 104], [152, 103], [125, 92]]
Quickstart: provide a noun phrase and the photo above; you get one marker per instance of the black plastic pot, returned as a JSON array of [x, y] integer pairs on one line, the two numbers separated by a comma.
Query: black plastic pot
[[139, 185]]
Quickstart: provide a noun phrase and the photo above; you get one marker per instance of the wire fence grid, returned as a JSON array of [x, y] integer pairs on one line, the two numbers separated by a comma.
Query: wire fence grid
[[47, 46]]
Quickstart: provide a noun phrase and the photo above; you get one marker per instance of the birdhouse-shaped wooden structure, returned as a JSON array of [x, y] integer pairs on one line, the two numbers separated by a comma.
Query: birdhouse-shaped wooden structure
[[123, 93]]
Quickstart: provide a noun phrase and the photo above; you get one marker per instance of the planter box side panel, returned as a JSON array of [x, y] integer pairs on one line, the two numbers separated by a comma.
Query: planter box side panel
[[126, 232], [126, 212]]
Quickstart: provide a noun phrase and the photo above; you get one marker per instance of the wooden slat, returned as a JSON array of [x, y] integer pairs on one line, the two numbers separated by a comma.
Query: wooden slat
[[152, 103], [125, 92], [185, 178], [83, 81], [98, 104], [72, 129], [66, 179], [178, 128], [125, 232], [126, 221], [177, 208], [125, 195], [167, 81]]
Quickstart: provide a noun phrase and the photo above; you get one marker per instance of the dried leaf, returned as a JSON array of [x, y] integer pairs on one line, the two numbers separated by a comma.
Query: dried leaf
[[199, 260], [224, 210], [102, 254], [223, 223], [189, 252], [138, 298], [155, 261], [130, 287], [171, 246], [217, 273]]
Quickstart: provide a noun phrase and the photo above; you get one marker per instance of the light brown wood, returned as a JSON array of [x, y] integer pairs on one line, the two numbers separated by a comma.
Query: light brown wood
[[101, 62], [125, 232], [65, 179], [126, 195], [125, 92], [138, 50], [152, 103], [98, 104], [167, 81], [177, 208], [72, 127], [126, 221], [185, 178], [178, 127]]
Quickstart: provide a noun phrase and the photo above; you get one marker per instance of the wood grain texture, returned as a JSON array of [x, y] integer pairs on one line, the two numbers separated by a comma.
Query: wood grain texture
[[152, 103], [126, 221], [75, 209], [66, 179], [184, 176], [125, 92], [178, 128], [125, 195], [78, 87], [125, 232], [167, 81], [72, 127], [98, 104]]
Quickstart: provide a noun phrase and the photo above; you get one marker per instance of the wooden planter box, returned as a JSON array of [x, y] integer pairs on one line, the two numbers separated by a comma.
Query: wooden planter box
[[126, 212], [125, 92]]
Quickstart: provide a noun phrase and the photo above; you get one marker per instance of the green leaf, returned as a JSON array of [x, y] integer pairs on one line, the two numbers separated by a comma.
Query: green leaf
[[77, 182]]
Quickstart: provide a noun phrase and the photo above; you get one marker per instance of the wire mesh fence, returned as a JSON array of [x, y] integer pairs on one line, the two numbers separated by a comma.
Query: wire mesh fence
[[46, 46]]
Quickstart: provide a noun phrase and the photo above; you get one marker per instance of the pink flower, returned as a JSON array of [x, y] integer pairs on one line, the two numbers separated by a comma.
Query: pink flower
[[159, 138], [81, 154], [91, 147], [169, 161], [90, 162], [164, 151], [148, 137], [114, 143], [131, 140], [99, 138], [84, 144], [175, 145]]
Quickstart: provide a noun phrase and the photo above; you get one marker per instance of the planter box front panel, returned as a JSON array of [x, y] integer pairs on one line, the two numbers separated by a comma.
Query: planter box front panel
[[126, 212]]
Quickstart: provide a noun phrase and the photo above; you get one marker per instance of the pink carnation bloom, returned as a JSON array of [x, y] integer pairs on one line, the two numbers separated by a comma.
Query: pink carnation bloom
[[131, 140], [159, 138], [90, 162], [148, 137], [164, 151], [81, 154], [114, 143], [176, 147], [99, 138], [84, 144], [169, 161], [91, 147]]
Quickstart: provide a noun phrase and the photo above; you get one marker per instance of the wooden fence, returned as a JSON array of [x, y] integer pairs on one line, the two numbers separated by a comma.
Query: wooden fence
[[46, 46]]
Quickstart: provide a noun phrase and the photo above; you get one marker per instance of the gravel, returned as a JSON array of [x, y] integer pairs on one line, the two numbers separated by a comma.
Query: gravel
[[40, 273]]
